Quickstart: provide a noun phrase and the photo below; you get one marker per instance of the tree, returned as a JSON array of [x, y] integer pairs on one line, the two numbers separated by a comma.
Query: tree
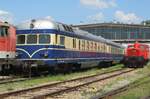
[[146, 22]]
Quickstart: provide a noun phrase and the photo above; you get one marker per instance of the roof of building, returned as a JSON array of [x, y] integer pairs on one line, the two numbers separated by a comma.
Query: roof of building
[[112, 25]]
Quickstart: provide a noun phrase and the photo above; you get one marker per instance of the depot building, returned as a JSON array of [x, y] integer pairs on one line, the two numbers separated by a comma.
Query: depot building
[[120, 33]]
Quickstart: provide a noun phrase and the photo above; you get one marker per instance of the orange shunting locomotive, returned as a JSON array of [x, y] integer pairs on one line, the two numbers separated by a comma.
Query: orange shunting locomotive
[[7, 45], [136, 55]]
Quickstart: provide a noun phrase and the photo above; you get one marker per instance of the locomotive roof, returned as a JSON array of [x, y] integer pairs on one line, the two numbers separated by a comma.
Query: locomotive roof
[[4, 24], [50, 24]]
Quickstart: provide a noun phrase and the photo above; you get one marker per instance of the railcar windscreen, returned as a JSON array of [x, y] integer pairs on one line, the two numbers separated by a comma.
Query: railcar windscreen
[[31, 39], [21, 39], [44, 39]]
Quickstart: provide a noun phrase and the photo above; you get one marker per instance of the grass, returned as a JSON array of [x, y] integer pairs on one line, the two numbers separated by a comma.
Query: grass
[[121, 81], [53, 78], [138, 92]]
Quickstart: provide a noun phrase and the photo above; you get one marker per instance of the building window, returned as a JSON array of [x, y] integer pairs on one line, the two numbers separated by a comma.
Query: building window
[[21, 39]]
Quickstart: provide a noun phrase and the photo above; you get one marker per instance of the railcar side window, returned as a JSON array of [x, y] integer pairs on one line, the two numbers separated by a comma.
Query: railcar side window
[[83, 44], [88, 45], [62, 40], [21, 39], [44, 39], [95, 47], [3, 31], [56, 39], [74, 43], [91, 45], [32, 39], [79, 44]]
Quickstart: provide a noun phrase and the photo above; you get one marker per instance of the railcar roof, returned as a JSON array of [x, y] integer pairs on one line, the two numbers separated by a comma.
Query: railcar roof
[[50, 24], [37, 24]]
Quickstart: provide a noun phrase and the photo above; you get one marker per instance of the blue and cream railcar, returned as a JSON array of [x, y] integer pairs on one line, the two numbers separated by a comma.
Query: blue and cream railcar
[[44, 42]]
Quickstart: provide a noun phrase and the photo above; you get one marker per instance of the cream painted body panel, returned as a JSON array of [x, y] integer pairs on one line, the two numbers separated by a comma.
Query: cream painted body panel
[[4, 54]]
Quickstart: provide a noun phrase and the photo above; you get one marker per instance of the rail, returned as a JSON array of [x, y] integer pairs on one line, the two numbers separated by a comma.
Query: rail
[[61, 87]]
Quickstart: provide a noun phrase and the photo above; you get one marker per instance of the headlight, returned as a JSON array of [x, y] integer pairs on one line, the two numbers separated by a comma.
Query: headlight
[[46, 54], [17, 54]]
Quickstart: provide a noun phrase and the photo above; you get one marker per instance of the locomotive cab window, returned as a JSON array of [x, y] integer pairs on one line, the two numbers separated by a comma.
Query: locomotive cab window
[[44, 39], [3, 31], [32, 39], [130, 46], [21, 39], [142, 47]]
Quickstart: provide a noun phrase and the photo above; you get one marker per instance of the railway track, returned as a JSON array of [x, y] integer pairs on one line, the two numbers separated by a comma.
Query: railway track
[[61, 87], [12, 80], [147, 97], [114, 92], [5, 77]]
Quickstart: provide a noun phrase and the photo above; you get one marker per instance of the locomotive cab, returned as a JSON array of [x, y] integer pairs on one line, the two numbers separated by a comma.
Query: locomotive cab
[[7, 45]]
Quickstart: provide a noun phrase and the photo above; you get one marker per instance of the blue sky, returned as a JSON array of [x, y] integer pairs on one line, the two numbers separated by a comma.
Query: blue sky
[[75, 11]]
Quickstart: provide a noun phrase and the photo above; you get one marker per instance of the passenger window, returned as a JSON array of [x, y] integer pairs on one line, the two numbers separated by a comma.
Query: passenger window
[[79, 44], [44, 39], [3, 31], [95, 48], [83, 44], [21, 39], [98, 47], [62, 40], [74, 43], [91, 45], [32, 39], [56, 39], [88, 45]]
